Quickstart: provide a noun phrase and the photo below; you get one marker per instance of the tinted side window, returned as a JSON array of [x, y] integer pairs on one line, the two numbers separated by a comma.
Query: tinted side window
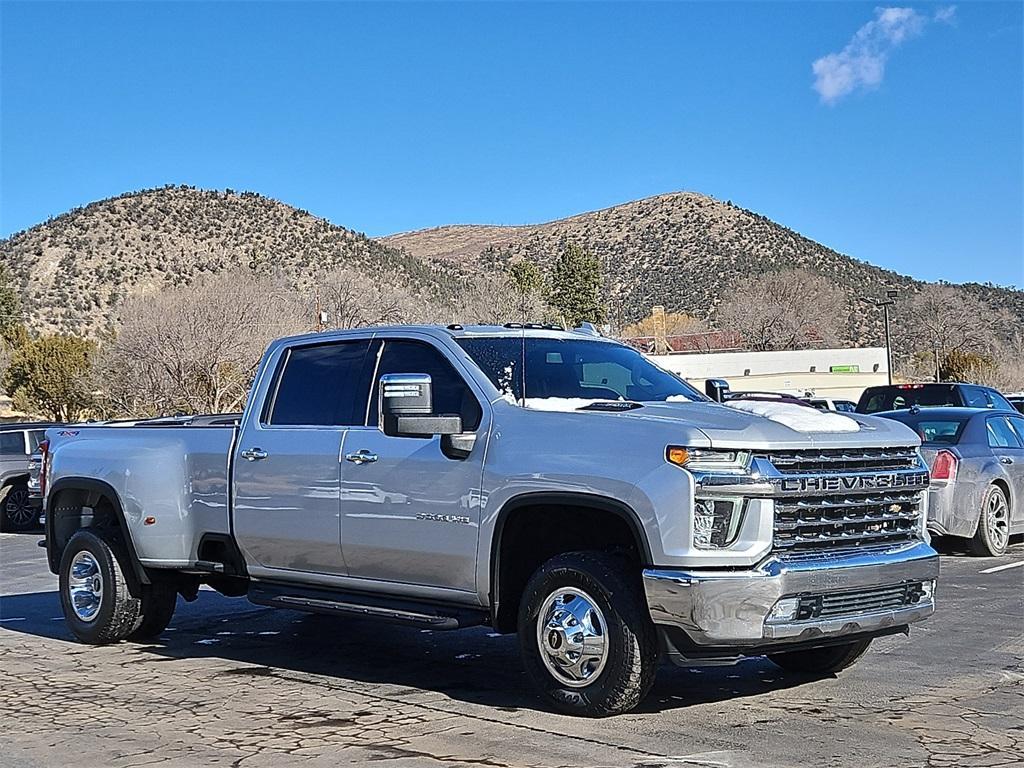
[[452, 395], [35, 437], [1018, 426], [12, 444], [1001, 434], [998, 401], [975, 397], [319, 385]]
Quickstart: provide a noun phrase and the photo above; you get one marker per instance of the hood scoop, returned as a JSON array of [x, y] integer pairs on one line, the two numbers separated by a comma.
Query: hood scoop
[[611, 406]]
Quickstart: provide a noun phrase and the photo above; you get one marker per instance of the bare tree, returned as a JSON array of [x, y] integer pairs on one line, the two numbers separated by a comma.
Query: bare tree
[[785, 310], [195, 349], [942, 320], [351, 299], [498, 299]]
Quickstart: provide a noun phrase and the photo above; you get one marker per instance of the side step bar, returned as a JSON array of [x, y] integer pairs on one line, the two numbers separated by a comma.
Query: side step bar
[[409, 612]]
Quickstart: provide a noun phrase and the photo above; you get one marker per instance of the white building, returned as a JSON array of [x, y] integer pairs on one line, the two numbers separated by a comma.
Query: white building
[[837, 373]]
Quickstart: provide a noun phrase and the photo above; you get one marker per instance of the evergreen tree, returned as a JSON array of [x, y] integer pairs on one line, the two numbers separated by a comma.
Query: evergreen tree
[[10, 304], [575, 287], [51, 376]]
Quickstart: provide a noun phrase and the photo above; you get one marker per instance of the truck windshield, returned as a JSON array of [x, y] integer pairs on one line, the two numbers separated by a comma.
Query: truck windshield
[[573, 369]]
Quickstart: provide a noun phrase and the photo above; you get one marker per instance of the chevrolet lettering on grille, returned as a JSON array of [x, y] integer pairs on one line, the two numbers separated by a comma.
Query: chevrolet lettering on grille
[[834, 484]]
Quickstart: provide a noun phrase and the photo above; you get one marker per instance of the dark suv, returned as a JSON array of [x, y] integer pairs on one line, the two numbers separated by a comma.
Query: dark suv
[[895, 397], [18, 512]]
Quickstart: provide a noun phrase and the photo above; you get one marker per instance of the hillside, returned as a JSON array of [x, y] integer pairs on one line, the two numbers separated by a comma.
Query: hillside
[[682, 250], [76, 268]]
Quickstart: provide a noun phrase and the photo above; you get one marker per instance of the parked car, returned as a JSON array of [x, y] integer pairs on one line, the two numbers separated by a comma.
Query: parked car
[[976, 461], [831, 404], [18, 511], [1017, 401], [894, 397], [547, 482]]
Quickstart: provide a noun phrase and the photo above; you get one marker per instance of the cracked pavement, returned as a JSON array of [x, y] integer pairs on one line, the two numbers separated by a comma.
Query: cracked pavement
[[232, 684]]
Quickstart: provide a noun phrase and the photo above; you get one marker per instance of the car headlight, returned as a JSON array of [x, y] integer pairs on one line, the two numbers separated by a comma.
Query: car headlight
[[716, 522], [708, 460]]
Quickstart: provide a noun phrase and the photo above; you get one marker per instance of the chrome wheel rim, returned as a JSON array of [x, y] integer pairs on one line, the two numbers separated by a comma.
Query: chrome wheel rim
[[17, 508], [85, 586], [997, 519], [572, 637]]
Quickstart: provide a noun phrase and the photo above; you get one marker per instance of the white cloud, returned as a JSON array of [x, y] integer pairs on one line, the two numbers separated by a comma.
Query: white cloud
[[861, 64]]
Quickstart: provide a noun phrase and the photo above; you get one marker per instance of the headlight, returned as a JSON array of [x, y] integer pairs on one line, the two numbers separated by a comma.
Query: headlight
[[716, 522], [708, 460]]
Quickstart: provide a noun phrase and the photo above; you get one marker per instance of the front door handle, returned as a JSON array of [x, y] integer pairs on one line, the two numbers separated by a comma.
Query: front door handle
[[1005, 460], [361, 457], [254, 454]]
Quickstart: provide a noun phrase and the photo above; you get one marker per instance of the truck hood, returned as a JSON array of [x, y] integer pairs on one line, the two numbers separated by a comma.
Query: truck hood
[[726, 427]]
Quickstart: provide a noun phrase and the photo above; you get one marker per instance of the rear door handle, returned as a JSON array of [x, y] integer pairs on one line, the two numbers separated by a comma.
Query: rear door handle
[[1005, 460], [254, 454], [361, 457]]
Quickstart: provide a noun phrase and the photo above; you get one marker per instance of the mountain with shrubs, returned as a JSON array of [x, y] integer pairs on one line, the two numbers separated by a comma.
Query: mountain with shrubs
[[76, 269], [683, 251]]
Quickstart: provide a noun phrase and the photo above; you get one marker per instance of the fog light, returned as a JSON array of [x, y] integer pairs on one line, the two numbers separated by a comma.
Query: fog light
[[716, 522], [784, 610], [928, 590]]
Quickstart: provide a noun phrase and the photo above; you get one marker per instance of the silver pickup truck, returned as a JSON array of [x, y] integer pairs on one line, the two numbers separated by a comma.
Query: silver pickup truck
[[547, 482]]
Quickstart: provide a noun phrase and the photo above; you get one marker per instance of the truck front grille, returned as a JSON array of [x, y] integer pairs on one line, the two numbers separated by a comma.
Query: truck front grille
[[839, 461], [839, 513], [828, 521], [835, 605]]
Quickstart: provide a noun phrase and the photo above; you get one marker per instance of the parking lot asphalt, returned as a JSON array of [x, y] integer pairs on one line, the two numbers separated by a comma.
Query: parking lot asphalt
[[233, 684]]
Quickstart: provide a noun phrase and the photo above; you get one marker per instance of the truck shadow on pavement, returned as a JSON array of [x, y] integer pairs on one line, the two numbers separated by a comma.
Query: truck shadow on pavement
[[475, 665]]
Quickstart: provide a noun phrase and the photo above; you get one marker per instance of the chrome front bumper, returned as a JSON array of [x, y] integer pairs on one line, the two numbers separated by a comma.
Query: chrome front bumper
[[733, 608]]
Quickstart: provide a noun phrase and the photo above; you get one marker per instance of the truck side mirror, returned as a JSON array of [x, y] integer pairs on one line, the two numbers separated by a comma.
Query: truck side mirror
[[407, 408], [717, 389]]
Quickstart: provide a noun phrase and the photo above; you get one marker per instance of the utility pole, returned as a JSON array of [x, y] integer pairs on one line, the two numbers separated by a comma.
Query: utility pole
[[321, 316], [890, 299]]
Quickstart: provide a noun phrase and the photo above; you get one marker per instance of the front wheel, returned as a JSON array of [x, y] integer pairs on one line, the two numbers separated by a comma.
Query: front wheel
[[586, 639], [821, 661]]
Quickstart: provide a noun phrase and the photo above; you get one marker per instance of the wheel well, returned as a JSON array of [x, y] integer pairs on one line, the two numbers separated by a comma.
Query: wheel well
[[72, 509], [1001, 485], [531, 534], [14, 480], [1005, 488]]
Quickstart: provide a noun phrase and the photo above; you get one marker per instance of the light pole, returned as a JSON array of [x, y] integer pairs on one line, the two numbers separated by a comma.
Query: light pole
[[890, 299]]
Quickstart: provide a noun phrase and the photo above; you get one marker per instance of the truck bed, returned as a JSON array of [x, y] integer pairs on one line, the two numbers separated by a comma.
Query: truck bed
[[172, 477]]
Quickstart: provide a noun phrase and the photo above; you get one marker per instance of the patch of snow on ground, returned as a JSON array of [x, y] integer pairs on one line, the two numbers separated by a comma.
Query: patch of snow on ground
[[801, 418]]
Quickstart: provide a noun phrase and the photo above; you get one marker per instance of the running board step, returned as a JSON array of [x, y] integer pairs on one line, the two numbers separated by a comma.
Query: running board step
[[399, 611]]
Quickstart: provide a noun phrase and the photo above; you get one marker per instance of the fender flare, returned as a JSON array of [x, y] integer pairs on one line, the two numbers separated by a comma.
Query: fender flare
[[106, 490], [574, 498]]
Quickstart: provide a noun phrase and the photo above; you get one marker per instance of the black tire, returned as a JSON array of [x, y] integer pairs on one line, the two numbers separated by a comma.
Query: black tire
[[995, 513], [17, 512], [627, 674], [116, 611], [821, 661], [156, 611]]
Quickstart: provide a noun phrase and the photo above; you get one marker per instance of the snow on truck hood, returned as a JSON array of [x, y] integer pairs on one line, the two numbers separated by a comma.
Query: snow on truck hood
[[744, 427], [799, 418]]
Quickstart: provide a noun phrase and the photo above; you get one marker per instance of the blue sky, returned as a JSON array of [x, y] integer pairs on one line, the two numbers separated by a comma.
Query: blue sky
[[902, 146]]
